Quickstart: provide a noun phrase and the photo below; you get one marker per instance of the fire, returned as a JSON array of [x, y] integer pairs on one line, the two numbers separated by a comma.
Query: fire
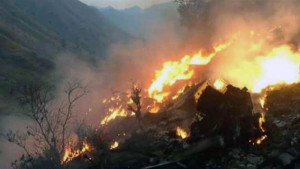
[[71, 154], [262, 101], [219, 84], [173, 71], [113, 113], [114, 145], [178, 93], [261, 121], [261, 139], [280, 66], [154, 108], [277, 65], [182, 133]]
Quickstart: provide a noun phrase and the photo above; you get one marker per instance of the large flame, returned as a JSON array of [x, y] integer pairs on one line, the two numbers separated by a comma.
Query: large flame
[[173, 71], [280, 66]]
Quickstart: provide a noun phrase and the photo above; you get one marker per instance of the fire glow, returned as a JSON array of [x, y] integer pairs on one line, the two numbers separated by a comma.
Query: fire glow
[[280, 66], [114, 112], [181, 133], [261, 139], [71, 154], [219, 84], [114, 145], [173, 71]]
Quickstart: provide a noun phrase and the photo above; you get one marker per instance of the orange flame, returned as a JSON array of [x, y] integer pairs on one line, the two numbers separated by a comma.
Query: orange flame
[[261, 139], [181, 133], [71, 154], [261, 121], [279, 67], [179, 92], [114, 145], [114, 113], [219, 84], [173, 71], [262, 101], [154, 108]]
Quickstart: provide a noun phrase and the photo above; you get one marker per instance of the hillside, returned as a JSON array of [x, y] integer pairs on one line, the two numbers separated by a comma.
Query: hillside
[[140, 22], [32, 32]]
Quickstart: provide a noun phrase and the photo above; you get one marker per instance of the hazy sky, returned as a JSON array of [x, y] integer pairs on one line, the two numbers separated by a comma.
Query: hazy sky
[[123, 3]]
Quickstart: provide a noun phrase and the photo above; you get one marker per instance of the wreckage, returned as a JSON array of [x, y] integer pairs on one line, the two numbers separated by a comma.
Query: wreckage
[[228, 114]]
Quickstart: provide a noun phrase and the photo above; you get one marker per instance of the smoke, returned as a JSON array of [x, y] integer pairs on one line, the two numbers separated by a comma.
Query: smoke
[[214, 19], [125, 63], [133, 62], [255, 26]]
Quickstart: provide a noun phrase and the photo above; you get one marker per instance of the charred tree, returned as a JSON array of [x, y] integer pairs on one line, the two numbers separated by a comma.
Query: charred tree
[[136, 99]]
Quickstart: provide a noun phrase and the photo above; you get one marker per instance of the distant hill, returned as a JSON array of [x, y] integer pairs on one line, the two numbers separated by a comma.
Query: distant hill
[[33, 31], [142, 22]]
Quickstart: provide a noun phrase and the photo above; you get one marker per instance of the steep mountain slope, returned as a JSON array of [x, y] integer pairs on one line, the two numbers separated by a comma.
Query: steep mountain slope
[[143, 22], [32, 32]]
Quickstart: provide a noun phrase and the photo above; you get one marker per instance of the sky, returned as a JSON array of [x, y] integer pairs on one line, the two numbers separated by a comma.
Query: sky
[[123, 3]]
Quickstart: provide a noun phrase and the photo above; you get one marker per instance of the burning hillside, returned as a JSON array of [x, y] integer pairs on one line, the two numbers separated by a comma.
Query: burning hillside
[[278, 66], [227, 97], [180, 111], [222, 118]]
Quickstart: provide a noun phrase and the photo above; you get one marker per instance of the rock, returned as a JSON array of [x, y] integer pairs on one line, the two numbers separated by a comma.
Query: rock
[[293, 152], [255, 160], [274, 153], [285, 159], [294, 141], [235, 153], [280, 124]]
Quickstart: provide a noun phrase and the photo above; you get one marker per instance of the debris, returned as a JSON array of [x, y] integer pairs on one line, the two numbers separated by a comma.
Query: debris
[[285, 159], [214, 142], [229, 113]]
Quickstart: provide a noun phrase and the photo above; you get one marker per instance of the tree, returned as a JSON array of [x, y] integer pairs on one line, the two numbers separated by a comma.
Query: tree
[[46, 138], [135, 96]]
